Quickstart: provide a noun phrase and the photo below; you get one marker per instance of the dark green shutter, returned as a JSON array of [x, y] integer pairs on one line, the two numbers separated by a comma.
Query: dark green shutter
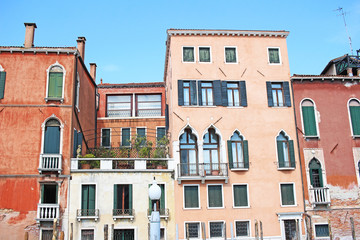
[[91, 196], [42, 193], [215, 196], [243, 98], [193, 94], [287, 194], [52, 85], [320, 178], [130, 197], [217, 93], [269, 94], [230, 156], [309, 120], [200, 93], [240, 196], [280, 154], [355, 119], [292, 153], [246, 154], [79, 139], [150, 203], [191, 197], [167, 117], [224, 94], [52, 139], [85, 197], [75, 143], [125, 137], [162, 198], [59, 83], [180, 92], [115, 196], [2, 84], [287, 94], [56, 193], [55, 85]]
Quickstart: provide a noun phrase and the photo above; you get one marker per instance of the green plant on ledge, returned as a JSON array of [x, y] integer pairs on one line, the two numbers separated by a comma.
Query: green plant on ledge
[[89, 164], [142, 146]]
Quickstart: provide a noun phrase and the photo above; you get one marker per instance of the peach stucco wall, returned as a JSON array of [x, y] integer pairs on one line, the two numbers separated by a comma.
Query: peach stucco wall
[[258, 123]]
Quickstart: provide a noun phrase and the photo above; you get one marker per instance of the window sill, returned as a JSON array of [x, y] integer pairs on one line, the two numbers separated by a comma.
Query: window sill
[[286, 206], [280, 107], [54, 99], [199, 106], [274, 63], [242, 207], [286, 168], [239, 169], [312, 137], [355, 136], [234, 63], [236, 107]]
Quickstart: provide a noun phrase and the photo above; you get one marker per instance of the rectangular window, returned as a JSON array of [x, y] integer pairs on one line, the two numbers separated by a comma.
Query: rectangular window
[[191, 197], [204, 54], [119, 106], [309, 120], [188, 54], [207, 94], [187, 94], [123, 199], [274, 55], [160, 133], [88, 200], [278, 94], [240, 196], [322, 230], [216, 229], [233, 92], [105, 137], [242, 228], [230, 55], [2, 84], [46, 234], [148, 105], [141, 134], [290, 228], [124, 234], [87, 234], [287, 194], [55, 85], [215, 196], [125, 137], [192, 230], [49, 193]]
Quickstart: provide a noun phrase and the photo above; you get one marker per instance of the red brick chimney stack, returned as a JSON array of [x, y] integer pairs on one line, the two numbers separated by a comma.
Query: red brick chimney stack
[[29, 34], [93, 71], [81, 46]]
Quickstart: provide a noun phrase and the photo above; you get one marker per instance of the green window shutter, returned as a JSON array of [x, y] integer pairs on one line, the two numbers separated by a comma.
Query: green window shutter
[[125, 137], [56, 194], [246, 154], [91, 196], [320, 178], [115, 196], [292, 153], [75, 143], [217, 93], [287, 94], [130, 197], [243, 98], [193, 94], [55, 85], [42, 193], [287, 194], [229, 144], [85, 197], [162, 198], [180, 93], [59, 85], [269, 94], [191, 197], [240, 196], [355, 119], [52, 139], [215, 196], [199, 93], [105, 141], [280, 154], [224, 94], [2, 84], [150, 205], [309, 120], [311, 177]]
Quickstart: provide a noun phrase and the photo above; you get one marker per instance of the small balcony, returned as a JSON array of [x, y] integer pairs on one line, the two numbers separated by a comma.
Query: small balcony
[[92, 214], [164, 213], [202, 171], [320, 196], [124, 214], [286, 165], [50, 163], [47, 212]]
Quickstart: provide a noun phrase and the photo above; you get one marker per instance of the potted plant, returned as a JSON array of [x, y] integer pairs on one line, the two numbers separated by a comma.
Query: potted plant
[[86, 164]]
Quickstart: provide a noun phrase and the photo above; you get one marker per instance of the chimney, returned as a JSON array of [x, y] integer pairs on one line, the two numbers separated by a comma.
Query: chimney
[[81, 47], [29, 34], [349, 72], [93, 70]]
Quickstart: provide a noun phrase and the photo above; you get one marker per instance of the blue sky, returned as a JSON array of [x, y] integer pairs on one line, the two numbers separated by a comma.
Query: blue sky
[[126, 39]]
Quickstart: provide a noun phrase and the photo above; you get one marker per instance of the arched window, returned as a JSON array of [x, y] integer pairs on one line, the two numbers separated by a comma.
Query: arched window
[[315, 173], [188, 154], [238, 151], [52, 137], [2, 82], [211, 152], [309, 118], [55, 83], [285, 150], [354, 109]]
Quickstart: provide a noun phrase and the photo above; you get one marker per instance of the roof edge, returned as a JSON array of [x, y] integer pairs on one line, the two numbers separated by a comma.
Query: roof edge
[[255, 33]]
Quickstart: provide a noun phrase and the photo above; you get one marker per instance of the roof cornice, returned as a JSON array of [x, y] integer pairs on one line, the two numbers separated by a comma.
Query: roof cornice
[[40, 50], [324, 78], [243, 33]]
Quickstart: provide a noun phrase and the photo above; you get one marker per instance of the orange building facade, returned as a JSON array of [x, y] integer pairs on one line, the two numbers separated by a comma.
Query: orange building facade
[[47, 101], [232, 135], [327, 111]]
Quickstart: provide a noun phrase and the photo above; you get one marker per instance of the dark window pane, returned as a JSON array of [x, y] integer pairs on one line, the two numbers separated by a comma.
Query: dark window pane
[[188, 54], [287, 194], [322, 230], [242, 229], [240, 196], [191, 196], [216, 229], [215, 195], [193, 230], [230, 55], [274, 55], [105, 137]]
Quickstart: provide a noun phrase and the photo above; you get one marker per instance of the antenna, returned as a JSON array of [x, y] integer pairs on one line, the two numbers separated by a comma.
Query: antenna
[[340, 9]]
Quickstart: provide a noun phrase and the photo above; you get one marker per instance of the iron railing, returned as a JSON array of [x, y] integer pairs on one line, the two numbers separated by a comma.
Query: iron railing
[[50, 162], [164, 212], [47, 212], [87, 213], [123, 212], [203, 169], [148, 113], [240, 165], [286, 165], [130, 152]]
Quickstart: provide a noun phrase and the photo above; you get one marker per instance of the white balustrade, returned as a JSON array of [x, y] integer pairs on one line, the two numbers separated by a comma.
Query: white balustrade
[[50, 162], [47, 212], [320, 195]]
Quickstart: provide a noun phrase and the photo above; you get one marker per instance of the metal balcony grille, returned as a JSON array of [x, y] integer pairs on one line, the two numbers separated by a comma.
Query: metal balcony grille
[[202, 169], [123, 212]]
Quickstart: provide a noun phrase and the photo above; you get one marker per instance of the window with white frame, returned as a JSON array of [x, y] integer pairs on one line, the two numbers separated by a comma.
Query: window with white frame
[[217, 229], [274, 55], [211, 152], [160, 134], [309, 118], [240, 193], [2, 82], [215, 196], [148, 105], [192, 230], [238, 151], [354, 110], [322, 230], [88, 198], [191, 196], [188, 154], [287, 194], [119, 106], [230, 55], [204, 54], [207, 96], [55, 82], [242, 228], [188, 54], [105, 137], [125, 137], [52, 137], [278, 94], [87, 234], [46, 234], [285, 151]]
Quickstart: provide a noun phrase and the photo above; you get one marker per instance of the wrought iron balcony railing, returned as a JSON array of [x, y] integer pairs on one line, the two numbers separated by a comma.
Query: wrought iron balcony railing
[[202, 171], [87, 214], [50, 163], [164, 213], [320, 195], [47, 212], [286, 165], [124, 213]]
